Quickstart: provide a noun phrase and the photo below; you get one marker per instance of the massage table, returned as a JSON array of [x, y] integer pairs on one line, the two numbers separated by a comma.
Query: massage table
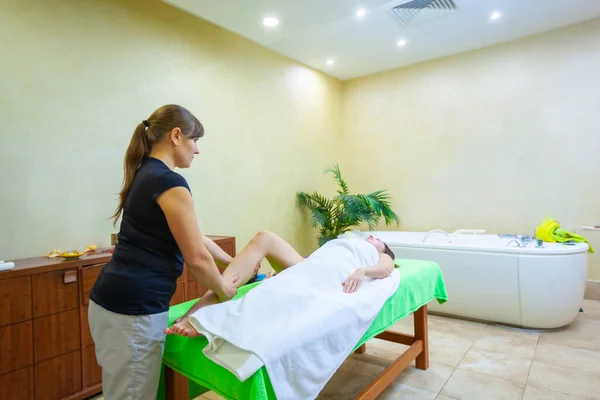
[[187, 372]]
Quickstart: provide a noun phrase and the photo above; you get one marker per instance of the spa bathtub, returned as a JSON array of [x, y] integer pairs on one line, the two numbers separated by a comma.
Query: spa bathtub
[[493, 280]]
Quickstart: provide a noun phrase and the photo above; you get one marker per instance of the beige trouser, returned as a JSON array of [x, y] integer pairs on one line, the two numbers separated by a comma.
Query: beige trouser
[[129, 348]]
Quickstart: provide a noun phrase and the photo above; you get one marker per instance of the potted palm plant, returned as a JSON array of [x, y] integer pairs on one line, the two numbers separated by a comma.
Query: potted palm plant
[[337, 215]]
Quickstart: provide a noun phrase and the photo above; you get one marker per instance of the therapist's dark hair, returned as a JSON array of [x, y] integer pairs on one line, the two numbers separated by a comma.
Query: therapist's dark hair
[[388, 251], [149, 131]]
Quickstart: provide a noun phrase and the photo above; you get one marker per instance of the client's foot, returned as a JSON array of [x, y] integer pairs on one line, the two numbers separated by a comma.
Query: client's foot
[[208, 299], [182, 328]]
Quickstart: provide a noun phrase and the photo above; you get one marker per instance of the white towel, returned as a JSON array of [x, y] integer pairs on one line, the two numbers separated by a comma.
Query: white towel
[[299, 324], [4, 266]]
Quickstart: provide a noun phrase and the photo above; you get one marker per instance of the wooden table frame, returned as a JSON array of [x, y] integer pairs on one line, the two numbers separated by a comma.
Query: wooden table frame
[[176, 385]]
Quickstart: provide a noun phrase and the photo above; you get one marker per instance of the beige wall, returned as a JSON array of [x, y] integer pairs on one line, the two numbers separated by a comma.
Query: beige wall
[[497, 138], [78, 76]]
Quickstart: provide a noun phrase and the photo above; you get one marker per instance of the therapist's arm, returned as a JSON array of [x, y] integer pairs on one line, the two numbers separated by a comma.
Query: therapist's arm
[[178, 207], [222, 259]]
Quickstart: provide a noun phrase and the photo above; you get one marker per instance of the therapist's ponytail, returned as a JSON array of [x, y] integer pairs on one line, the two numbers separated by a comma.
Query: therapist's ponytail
[[148, 132]]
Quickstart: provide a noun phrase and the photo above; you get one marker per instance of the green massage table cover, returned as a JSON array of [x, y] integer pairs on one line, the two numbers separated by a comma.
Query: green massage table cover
[[421, 281]]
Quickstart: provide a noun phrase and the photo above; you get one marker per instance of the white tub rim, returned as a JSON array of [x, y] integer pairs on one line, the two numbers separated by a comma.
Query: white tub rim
[[549, 249]]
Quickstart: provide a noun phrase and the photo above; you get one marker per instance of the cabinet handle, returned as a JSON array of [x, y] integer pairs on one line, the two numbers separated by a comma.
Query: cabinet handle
[[70, 276]]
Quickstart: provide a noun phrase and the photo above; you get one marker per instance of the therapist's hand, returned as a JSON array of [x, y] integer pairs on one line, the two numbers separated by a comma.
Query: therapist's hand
[[228, 289], [354, 280]]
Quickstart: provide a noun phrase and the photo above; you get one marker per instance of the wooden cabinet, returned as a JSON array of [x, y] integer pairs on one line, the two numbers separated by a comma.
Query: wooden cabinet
[[85, 328], [179, 296], [56, 334], [16, 346], [58, 377], [92, 371], [15, 300], [46, 348], [88, 278], [54, 292], [194, 290], [17, 385]]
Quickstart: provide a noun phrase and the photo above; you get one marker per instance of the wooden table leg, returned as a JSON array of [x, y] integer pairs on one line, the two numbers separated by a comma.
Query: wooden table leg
[[361, 349], [176, 385], [422, 361], [390, 373]]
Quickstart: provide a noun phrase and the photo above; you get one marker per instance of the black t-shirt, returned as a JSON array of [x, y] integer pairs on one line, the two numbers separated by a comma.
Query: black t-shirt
[[142, 276]]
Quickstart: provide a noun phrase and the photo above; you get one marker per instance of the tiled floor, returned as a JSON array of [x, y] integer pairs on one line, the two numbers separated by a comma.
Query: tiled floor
[[473, 361]]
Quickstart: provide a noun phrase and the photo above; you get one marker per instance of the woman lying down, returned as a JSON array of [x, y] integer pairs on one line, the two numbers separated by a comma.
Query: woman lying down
[[302, 323], [281, 255]]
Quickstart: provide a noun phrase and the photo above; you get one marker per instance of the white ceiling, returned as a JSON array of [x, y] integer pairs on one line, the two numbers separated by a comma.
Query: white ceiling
[[312, 31]]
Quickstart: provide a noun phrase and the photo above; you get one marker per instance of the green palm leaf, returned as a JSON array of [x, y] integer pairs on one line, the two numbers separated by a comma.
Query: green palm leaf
[[321, 207], [338, 215], [338, 177]]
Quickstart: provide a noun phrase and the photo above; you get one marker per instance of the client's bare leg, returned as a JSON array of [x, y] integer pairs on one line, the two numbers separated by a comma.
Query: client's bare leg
[[265, 244]]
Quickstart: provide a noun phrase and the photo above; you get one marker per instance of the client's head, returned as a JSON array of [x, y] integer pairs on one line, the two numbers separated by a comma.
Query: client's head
[[381, 246]]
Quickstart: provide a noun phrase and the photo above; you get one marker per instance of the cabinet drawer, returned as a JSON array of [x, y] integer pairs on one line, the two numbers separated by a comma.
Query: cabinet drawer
[[56, 334], [58, 377], [194, 290], [17, 385], [88, 278], [54, 292], [92, 373], [227, 244], [179, 296], [191, 291], [15, 300], [85, 326], [16, 347]]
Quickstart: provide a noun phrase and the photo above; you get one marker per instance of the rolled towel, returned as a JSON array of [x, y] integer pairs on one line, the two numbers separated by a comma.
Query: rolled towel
[[4, 266]]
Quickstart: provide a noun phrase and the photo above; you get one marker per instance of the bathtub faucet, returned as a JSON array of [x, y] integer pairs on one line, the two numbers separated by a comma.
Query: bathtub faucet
[[519, 242], [435, 231]]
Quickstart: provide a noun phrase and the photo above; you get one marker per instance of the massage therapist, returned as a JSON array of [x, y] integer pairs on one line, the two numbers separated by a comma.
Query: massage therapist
[[129, 302]]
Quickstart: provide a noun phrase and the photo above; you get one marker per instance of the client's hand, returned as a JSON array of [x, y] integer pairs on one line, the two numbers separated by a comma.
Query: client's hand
[[354, 280]]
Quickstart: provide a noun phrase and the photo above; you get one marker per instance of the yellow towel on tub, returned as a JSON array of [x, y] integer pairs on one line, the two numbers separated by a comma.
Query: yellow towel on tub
[[550, 231]]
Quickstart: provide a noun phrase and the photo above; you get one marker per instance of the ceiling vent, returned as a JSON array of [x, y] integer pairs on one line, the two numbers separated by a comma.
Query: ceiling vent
[[418, 11]]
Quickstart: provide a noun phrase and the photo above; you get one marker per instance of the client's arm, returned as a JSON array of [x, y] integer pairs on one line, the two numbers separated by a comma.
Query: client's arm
[[383, 269]]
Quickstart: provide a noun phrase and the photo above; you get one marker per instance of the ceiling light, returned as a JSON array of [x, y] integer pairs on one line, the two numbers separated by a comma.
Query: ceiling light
[[329, 62], [495, 15], [401, 43], [361, 12], [270, 22]]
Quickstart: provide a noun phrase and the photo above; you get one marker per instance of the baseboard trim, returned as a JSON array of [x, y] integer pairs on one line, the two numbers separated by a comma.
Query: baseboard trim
[[592, 290]]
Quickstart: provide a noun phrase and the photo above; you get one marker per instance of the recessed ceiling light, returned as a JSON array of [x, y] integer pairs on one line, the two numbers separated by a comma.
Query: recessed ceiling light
[[495, 15], [270, 22], [361, 12], [401, 43], [329, 62]]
